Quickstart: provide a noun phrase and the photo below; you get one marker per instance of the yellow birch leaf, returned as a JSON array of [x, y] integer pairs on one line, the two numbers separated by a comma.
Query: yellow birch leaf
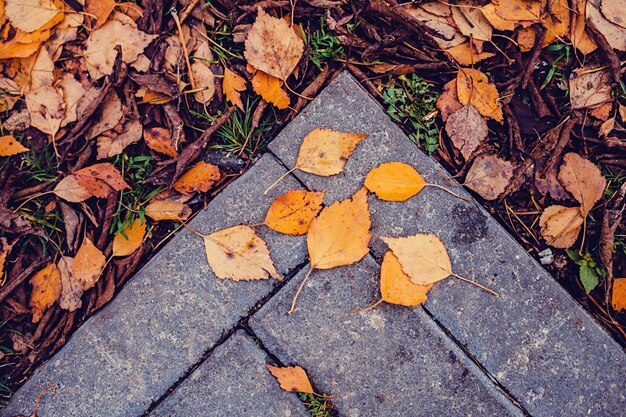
[[30, 15], [268, 87], [423, 257], [232, 84], [395, 285], [272, 46], [340, 234], [578, 35], [238, 253], [561, 225], [293, 212], [466, 55], [474, 87], [583, 180], [10, 146], [324, 152], [618, 299], [291, 378], [159, 139], [46, 290], [100, 10], [394, 181], [199, 178], [88, 264], [127, 245], [517, 10], [168, 210]]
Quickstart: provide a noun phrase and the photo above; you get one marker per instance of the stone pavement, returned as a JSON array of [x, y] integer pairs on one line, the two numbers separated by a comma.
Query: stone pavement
[[173, 341]]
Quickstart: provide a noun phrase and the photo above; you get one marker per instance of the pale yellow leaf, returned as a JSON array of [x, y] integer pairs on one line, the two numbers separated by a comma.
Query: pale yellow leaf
[[325, 152], [70, 190], [30, 15], [168, 210], [560, 226], [583, 180]]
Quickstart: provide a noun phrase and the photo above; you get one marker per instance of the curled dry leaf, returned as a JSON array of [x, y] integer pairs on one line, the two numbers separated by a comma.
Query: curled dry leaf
[[272, 46], [100, 180], [70, 190], [30, 15], [71, 290], [474, 87], [583, 180], [159, 139], [239, 254], [293, 212], [232, 85], [46, 290], [10, 146], [325, 152], [396, 286], [291, 378], [88, 264], [113, 143], [168, 210], [489, 176], [467, 130], [268, 87], [589, 87], [498, 23], [618, 298], [578, 35], [423, 257], [561, 225], [199, 178], [394, 181], [340, 234], [130, 239]]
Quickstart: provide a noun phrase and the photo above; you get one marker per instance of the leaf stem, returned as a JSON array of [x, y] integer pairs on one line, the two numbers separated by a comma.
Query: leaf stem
[[295, 298], [368, 308], [279, 180], [195, 232], [469, 200], [489, 290]]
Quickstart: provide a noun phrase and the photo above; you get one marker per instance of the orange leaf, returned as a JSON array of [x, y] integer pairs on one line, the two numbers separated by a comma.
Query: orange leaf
[[100, 10], [474, 87], [396, 286], [10, 146], [88, 264], [238, 253], [324, 152], [159, 139], [101, 179], [293, 212], [561, 225], [465, 54], [269, 89], [394, 181], [583, 180], [618, 300], [199, 178], [232, 84], [46, 290], [448, 102], [340, 234], [127, 245], [168, 210], [292, 378]]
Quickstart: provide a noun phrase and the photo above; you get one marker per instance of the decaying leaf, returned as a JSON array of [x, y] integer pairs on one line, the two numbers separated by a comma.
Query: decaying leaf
[[110, 116], [467, 130], [46, 290], [71, 290], [233, 84], [88, 264], [578, 35], [614, 33], [238, 253], [423, 257], [10, 93], [517, 10], [199, 178], [168, 210], [205, 81], [396, 286], [100, 180], [293, 212], [448, 101], [30, 15], [394, 181], [70, 190], [324, 152], [618, 299], [340, 234], [489, 175], [272, 46], [561, 225], [291, 378], [99, 10], [159, 139], [10, 146], [589, 87], [466, 55], [268, 87], [113, 143], [471, 22], [583, 180], [130, 239], [474, 87]]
